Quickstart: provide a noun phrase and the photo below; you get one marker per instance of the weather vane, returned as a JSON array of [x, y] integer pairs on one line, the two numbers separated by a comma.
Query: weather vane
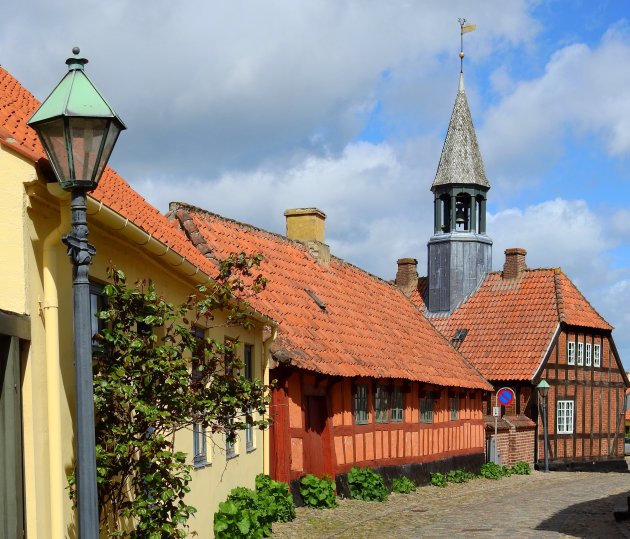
[[464, 29]]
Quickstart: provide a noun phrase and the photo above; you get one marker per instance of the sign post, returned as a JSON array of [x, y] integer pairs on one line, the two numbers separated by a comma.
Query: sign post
[[504, 397]]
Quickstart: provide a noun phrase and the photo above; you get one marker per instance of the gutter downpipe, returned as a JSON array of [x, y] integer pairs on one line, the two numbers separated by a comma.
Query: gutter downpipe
[[50, 310], [266, 355]]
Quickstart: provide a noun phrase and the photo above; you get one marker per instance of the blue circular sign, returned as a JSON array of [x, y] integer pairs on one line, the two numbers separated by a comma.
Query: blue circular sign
[[505, 396]]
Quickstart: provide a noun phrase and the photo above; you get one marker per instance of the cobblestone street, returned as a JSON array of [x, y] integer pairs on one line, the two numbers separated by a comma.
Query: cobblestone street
[[558, 504]]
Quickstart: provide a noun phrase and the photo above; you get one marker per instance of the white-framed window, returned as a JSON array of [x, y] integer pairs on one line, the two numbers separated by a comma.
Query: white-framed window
[[597, 355], [248, 368], [397, 408], [200, 447], [427, 404], [564, 417], [571, 353], [361, 415], [588, 354], [580, 353]]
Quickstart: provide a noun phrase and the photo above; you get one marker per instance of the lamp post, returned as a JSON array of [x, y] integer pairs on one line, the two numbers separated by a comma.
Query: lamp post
[[78, 131], [543, 390]]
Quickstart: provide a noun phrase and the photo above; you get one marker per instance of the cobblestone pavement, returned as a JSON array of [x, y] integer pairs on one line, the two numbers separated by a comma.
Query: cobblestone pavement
[[558, 504]]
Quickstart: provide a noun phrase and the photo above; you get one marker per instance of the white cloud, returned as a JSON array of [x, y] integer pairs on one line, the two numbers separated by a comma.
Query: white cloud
[[582, 91]]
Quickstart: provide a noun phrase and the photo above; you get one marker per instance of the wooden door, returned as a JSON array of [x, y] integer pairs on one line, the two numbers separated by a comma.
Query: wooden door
[[11, 487], [316, 441]]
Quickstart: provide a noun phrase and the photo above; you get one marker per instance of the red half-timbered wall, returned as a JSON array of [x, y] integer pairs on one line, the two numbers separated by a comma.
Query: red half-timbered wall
[[598, 396], [302, 442]]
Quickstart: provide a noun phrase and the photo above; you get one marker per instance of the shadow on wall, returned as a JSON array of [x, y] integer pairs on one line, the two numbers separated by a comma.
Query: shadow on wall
[[593, 518]]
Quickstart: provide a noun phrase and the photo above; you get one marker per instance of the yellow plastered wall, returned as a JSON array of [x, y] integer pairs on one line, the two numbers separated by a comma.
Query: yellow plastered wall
[[35, 263]]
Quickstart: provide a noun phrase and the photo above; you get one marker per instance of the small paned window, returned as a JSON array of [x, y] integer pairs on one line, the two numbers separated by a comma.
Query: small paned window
[[454, 408], [196, 373], [230, 449], [580, 353], [98, 302], [426, 408], [248, 367], [588, 354], [381, 404], [564, 417], [571, 353], [200, 449], [361, 416], [597, 352], [397, 405]]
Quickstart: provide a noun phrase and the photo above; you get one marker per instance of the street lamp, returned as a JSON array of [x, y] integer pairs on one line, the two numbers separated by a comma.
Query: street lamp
[[543, 390], [78, 131]]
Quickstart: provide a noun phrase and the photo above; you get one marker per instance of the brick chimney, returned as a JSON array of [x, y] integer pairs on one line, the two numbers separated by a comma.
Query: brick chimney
[[306, 225], [514, 262], [407, 274]]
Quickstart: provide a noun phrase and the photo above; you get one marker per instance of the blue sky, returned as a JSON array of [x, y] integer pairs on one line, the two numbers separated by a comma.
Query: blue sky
[[248, 108]]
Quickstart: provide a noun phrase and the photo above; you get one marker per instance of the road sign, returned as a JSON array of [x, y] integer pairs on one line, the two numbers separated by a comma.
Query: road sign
[[505, 396], [496, 411]]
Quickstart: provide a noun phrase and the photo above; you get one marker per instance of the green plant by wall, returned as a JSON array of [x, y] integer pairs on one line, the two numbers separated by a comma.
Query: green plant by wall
[[459, 476], [521, 468], [365, 484], [275, 496], [493, 471], [318, 493], [438, 479], [403, 485], [242, 516]]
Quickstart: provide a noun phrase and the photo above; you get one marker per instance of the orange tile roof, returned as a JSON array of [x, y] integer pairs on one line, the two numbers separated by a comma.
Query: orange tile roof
[[511, 322], [17, 105], [367, 327]]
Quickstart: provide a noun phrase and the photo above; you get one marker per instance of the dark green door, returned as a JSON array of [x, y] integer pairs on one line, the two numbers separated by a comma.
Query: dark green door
[[11, 488]]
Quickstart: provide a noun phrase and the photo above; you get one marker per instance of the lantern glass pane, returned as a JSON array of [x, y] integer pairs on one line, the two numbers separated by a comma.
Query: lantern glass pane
[[110, 141], [86, 135], [53, 139]]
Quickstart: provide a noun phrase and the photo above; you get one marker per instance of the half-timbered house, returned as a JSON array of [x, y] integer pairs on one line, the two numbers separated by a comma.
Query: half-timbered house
[[362, 377]]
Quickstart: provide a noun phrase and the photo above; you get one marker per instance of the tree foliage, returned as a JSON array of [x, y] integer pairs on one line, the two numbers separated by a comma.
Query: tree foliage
[[155, 375]]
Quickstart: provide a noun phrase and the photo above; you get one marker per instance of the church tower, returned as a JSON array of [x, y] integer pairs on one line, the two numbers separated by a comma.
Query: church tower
[[460, 252]]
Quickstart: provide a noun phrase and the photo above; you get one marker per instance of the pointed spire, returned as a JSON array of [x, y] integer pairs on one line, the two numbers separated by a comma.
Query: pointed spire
[[461, 161]]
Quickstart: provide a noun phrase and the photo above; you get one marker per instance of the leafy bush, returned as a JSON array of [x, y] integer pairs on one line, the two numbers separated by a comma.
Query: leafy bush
[[275, 496], [249, 514], [438, 479], [366, 484], [493, 471], [459, 476], [318, 493], [403, 485], [521, 468], [242, 517]]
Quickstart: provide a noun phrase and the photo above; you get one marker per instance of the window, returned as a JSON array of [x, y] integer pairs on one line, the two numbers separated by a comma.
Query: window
[[248, 367], [361, 404], [397, 405], [580, 354], [381, 404], [230, 449], [97, 303], [564, 417], [426, 408], [196, 372], [597, 360], [454, 401], [588, 354], [571, 353], [200, 453]]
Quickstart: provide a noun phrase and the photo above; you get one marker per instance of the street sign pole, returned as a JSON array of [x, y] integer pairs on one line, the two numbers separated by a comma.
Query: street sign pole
[[505, 396]]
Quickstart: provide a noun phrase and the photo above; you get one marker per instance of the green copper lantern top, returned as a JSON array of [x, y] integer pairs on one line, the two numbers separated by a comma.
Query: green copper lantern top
[[77, 128], [75, 95]]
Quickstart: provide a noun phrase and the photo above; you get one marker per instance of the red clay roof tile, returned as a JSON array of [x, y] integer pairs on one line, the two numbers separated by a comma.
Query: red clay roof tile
[[511, 322], [367, 328]]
